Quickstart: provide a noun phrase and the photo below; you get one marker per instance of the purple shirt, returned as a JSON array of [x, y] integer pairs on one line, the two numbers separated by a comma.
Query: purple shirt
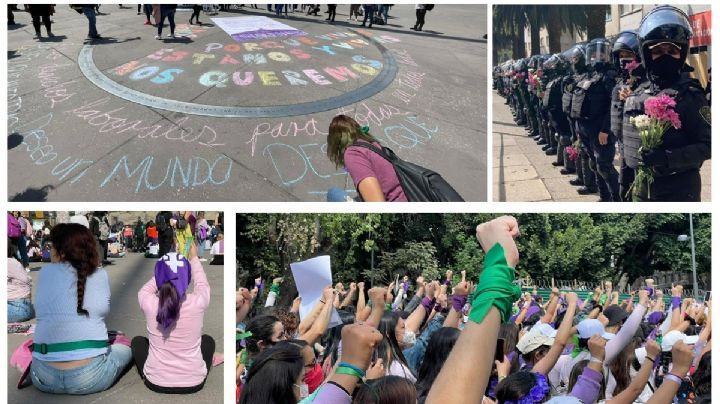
[[362, 163]]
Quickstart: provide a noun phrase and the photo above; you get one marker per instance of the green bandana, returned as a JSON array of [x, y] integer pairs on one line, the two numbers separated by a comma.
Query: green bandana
[[495, 287], [365, 129], [576, 346], [275, 288]]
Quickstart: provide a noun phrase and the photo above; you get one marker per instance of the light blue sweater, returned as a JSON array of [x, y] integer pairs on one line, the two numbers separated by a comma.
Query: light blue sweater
[[57, 316]]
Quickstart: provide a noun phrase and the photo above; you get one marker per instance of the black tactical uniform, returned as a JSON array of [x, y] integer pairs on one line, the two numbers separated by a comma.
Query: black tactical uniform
[[676, 163], [555, 71], [631, 75], [585, 177], [591, 108]]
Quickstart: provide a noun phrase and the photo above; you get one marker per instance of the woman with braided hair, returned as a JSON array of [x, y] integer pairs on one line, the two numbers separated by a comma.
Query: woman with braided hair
[[72, 352]]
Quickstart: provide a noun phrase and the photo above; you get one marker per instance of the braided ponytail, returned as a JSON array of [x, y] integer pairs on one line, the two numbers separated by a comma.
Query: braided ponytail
[[75, 244]]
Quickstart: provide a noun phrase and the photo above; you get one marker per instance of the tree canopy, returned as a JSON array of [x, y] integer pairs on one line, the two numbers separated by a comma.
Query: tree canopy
[[376, 247]]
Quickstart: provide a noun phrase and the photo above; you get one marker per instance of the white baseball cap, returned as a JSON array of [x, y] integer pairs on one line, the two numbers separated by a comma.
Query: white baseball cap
[[592, 326], [674, 336], [533, 340]]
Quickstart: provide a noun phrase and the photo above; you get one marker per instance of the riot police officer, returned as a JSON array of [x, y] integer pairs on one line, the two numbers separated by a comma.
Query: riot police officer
[[576, 58], [555, 72], [631, 73], [664, 35], [591, 108]]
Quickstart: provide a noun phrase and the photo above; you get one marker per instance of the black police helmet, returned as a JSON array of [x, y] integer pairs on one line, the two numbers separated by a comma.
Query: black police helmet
[[664, 24]]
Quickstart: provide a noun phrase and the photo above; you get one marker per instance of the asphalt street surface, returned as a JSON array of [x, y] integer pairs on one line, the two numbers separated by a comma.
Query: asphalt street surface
[[205, 118], [127, 275]]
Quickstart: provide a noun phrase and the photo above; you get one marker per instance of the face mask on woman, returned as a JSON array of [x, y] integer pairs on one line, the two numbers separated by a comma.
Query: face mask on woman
[[303, 388], [313, 378]]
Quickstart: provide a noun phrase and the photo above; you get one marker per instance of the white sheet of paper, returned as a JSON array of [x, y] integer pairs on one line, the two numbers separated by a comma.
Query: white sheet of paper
[[311, 278]]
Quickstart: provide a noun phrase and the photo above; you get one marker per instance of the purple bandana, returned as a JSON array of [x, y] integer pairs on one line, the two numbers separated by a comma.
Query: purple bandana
[[174, 268]]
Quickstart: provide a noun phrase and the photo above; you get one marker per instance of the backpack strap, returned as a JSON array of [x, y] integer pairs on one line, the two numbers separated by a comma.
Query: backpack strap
[[379, 151]]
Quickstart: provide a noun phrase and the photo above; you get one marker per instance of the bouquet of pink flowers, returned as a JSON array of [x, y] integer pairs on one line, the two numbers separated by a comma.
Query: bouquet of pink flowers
[[658, 118], [630, 67], [572, 152]]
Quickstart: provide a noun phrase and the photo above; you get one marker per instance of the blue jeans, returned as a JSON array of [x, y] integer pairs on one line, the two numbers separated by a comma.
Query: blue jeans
[[96, 376], [384, 11], [200, 248], [20, 310], [336, 194], [22, 250], [90, 14]]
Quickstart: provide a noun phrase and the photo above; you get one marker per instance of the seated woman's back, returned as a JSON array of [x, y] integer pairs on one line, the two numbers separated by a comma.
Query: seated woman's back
[[174, 357], [56, 310]]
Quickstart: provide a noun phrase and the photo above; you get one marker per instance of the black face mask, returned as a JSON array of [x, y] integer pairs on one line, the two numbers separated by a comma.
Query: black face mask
[[666, 67]]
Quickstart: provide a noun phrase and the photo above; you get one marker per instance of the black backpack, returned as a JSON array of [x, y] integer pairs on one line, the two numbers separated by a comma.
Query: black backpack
[[418, 183]]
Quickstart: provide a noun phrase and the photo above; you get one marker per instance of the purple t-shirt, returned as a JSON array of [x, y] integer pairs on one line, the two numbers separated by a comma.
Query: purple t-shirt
[[362, 163]]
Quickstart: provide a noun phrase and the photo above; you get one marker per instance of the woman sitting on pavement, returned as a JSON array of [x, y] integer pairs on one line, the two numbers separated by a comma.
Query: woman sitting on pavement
[[72, 353], [19, 288], [176, 357]]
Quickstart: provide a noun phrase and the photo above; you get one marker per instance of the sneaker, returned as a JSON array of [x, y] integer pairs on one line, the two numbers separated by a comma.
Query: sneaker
[[51, 35], [171, 35], [37, 35], [203, 259], [147, 23], [27, 269], [157, 36]]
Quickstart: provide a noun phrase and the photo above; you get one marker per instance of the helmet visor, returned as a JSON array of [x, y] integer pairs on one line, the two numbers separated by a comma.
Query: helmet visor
[[597, 52]]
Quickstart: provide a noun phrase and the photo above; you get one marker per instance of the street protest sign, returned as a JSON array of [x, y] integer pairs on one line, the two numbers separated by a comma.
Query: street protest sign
[[311, 278], [244, 29]]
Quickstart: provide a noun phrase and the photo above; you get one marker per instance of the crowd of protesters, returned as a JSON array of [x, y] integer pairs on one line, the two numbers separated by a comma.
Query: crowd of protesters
[[457, 341]]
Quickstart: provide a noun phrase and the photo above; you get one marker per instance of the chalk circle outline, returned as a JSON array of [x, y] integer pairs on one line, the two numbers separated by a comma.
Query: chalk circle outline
[[378, 84]]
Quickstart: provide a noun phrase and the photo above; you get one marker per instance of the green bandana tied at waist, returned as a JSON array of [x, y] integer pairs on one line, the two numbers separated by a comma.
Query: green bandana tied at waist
[[495, 287]]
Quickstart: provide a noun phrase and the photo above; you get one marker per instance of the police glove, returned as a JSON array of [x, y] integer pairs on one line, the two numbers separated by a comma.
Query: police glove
[[654, 157]]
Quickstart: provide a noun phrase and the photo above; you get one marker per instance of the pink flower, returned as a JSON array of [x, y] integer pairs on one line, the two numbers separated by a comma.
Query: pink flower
[[632, 66], [661, 109], [572, 152]]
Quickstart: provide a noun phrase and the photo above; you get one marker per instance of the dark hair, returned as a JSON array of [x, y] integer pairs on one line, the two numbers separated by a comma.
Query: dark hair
[[168, 307], [262, 328], [75, 244], [290, 321], [386, 390], [438, 350], [510, 333], [389, 349], [620, 367], [272, 376], [515, 386], [530, 356], [575, 373], [12, 247], [331, 339], [343, 132], [701, 377]]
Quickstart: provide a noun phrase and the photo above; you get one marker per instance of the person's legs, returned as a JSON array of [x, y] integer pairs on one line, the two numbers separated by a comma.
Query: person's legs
[[171, 20], [36, 23], [604, 156], [201, 248], [20, 310], [160, 25], [207, 347], [366, 15], [422, 20], [22, 249], [90, 14], [140, 346], [46, 21], [148, 10]]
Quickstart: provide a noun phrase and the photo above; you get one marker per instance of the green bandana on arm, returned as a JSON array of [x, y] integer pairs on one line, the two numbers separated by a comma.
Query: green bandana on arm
[[495, 287]]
